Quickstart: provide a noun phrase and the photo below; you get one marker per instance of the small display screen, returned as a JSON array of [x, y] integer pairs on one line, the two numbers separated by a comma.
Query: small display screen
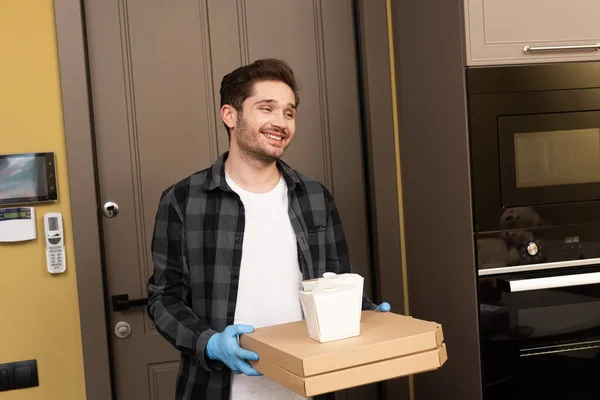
[[15, 214], [11, 214], [53, 224], [23, 178]]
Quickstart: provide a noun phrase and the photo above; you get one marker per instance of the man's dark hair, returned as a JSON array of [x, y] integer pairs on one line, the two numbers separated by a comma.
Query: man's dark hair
[[237, 86]]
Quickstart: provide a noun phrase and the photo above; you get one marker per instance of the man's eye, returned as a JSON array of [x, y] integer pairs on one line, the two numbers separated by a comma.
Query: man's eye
[[267, 109], [289, 115]]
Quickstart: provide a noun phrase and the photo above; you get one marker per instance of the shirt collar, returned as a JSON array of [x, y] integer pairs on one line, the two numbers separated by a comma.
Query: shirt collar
[[216, 175]]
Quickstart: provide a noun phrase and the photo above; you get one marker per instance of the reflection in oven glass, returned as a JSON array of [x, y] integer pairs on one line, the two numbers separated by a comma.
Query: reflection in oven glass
[[569, 375]]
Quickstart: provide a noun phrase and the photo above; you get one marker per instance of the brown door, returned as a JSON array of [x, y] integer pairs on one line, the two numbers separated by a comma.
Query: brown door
[[156, 68]]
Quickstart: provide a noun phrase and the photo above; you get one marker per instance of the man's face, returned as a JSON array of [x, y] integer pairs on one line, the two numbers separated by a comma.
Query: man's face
[[267, 123]]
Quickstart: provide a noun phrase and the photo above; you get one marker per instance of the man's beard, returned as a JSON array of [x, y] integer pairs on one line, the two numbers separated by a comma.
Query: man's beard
[[249, 147]]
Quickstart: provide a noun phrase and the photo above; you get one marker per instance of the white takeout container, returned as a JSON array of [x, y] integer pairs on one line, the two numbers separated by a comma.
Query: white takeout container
[[332, 306]]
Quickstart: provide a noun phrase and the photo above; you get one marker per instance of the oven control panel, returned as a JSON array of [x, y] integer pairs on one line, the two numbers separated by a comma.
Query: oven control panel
[[578, 244]]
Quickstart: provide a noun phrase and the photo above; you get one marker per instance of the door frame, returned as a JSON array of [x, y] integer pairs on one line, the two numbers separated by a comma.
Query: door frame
[[380, 136], [81, 162]]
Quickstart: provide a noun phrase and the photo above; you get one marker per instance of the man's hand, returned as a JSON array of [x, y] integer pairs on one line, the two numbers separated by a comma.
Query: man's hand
[[224, 347], [384, 307]]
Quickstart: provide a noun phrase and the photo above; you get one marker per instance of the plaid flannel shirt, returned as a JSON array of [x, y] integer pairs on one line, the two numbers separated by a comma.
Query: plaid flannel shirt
[[197, 251]]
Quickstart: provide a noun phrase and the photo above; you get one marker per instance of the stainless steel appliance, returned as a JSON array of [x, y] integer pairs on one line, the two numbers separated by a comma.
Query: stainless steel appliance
[[535, 158]]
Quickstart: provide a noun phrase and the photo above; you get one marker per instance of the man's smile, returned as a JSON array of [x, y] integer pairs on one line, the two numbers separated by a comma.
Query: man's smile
[[274, 137]]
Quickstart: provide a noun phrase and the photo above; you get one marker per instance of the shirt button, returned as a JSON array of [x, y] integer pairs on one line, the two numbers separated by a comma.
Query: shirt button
[[238, 239]]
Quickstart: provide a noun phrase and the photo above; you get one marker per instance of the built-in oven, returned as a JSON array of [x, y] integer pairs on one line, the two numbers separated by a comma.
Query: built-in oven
[[539, 313], [535, 162]]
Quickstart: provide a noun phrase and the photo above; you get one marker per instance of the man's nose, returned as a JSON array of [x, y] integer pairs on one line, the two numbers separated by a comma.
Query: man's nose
[[279, 121]]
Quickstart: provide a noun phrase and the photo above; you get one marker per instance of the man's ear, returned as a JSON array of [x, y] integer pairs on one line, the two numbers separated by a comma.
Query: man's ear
[[229, 115]]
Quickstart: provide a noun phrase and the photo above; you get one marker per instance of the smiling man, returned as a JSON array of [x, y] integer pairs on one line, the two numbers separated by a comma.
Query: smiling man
[[232, 243]]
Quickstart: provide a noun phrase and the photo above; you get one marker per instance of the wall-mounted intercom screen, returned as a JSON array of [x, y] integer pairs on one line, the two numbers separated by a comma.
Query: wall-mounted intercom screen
[[27, 178]]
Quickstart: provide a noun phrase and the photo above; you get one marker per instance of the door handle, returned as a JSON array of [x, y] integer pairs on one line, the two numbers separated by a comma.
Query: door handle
[[530, 49], [110, 209], [522, 285], [121, 302]]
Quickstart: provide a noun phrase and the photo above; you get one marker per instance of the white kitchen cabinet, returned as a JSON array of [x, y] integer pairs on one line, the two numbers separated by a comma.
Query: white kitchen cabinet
[[528, 31]]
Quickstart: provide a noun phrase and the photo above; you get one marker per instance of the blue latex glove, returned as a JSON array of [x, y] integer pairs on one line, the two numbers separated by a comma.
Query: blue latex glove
[[384, 307], [225, 347]]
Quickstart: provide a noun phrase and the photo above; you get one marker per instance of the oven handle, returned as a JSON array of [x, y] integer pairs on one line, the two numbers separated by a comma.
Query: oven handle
[[522, 285]]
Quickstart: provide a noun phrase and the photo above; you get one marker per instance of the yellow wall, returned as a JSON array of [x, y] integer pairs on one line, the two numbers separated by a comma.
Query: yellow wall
[[39, 313]]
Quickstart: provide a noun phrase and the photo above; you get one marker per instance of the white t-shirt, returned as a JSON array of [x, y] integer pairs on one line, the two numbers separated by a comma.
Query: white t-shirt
[[269, 279]]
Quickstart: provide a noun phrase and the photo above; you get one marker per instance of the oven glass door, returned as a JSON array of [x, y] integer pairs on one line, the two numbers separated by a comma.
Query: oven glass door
[[549, 158], [541, 335]]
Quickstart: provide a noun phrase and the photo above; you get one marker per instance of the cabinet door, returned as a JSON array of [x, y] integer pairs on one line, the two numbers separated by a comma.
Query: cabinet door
[[513, 31]]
